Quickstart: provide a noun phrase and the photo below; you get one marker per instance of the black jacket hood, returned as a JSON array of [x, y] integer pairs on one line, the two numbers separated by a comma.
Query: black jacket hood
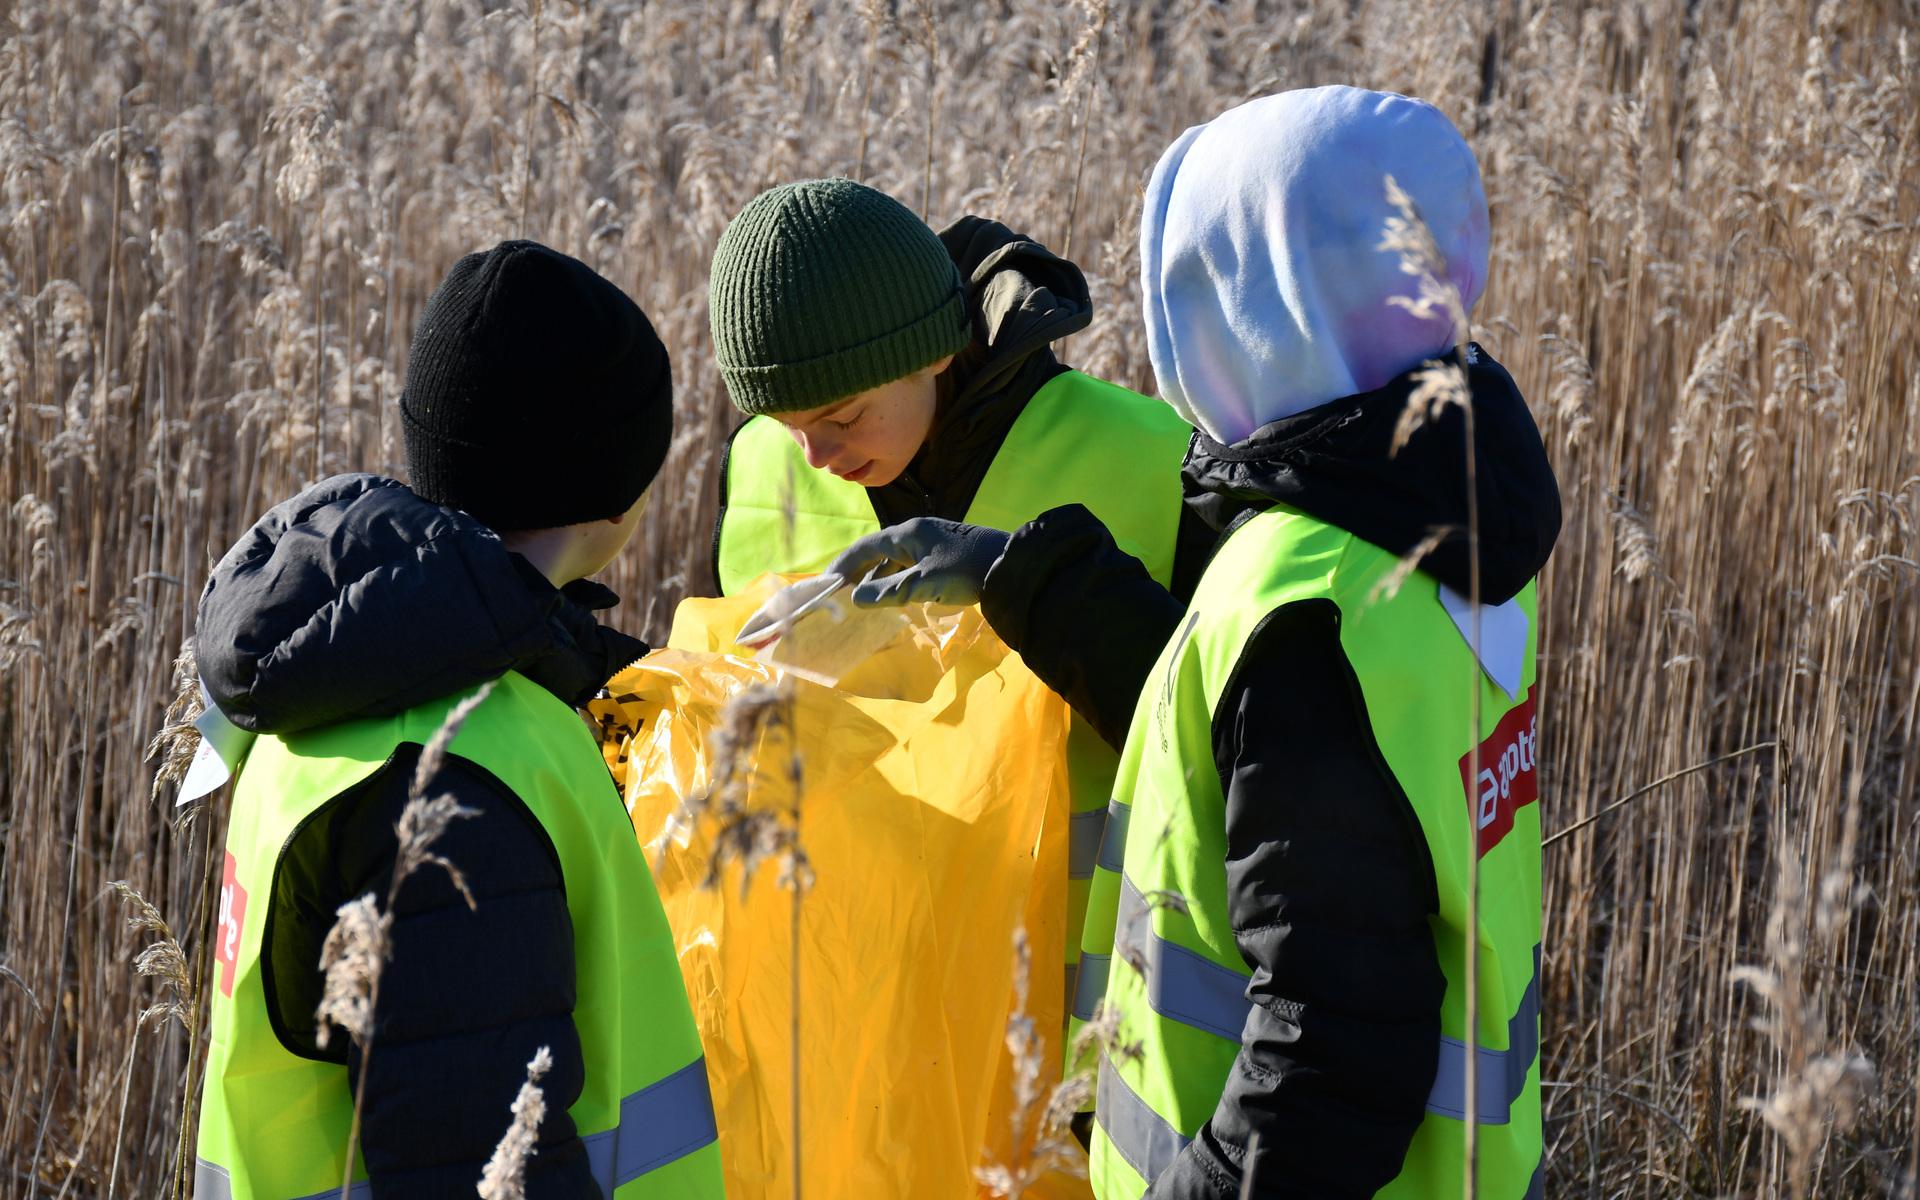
[[1336, 462], [1021, 297], [357, 598]]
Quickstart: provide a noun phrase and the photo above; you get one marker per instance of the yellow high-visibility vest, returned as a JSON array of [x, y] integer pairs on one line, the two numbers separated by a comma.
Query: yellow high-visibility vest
[[1179, 990], [274, 1125]]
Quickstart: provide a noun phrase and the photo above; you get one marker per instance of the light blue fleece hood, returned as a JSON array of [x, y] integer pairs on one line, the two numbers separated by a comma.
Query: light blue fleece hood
[[1266, 292]]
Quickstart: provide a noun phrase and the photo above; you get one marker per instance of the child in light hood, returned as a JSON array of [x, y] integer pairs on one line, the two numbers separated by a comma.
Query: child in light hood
[[1298, 766], [1267, 290]]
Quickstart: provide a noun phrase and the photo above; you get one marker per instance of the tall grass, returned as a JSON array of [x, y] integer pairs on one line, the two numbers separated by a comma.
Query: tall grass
[[221, 219]]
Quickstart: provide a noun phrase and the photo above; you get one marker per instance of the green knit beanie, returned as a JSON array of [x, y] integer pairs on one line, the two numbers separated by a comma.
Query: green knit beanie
[[826, 288]]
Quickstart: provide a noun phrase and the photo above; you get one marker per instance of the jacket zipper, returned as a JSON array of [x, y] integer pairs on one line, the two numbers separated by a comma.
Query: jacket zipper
[[920, 491]]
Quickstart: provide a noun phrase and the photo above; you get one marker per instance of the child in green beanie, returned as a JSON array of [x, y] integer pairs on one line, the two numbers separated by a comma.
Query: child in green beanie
[[868, 351], [889, 373]]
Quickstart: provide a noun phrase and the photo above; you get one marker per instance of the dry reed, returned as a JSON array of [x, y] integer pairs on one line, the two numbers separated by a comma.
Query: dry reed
[[504, 1177], [747, 832], [219, 222]]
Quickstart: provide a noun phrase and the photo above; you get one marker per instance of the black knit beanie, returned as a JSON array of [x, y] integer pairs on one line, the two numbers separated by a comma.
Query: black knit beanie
[[537, 393]]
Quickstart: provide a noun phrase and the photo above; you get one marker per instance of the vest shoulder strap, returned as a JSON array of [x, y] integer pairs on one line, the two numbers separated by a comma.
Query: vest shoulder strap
[[520, 728], [1082, 440]]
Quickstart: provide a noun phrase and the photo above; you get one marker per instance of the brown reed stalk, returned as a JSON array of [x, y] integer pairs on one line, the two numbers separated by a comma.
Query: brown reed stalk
[[874, 16], [755, 745], [526, 128], [1822, 1086], [1040, 1123], [930, 44], [1441, 385], [1083, 62]]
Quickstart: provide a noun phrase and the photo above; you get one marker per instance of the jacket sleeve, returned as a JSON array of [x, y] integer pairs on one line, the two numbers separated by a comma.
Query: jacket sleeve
[[1083, 613], [469, 995], [1330, 887]]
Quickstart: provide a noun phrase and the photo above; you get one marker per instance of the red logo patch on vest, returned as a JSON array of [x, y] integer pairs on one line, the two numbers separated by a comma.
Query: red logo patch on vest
[[233, 910], [1508, 779]]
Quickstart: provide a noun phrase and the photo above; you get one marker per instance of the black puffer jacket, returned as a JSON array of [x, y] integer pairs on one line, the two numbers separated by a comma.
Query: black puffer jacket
[[357, 598], [1330, 885], [1021, 298]]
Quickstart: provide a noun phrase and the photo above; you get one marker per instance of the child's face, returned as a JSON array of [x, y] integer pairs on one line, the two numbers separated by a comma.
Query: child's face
[[871, 436]]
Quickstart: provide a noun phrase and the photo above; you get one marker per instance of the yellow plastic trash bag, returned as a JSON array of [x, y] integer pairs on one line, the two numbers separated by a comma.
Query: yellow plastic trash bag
[[930, 788]]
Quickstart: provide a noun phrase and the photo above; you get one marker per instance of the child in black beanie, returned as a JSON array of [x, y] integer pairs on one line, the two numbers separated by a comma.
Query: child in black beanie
[[537, 394], [344, 631]]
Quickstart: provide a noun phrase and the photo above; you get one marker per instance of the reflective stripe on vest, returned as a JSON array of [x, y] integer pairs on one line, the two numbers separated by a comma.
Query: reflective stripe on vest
[[1150, 1145], [1182, 986], [1113, 838], [274, 1125], [1084, 836], [1501, 1075], [1090, 984], [1141, 1135], [212, 1182], [659, 1123], [1174, 973], [1096, 942]]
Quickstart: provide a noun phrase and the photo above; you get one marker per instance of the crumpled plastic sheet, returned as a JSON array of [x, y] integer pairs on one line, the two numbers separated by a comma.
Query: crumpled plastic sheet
[[932, 811]]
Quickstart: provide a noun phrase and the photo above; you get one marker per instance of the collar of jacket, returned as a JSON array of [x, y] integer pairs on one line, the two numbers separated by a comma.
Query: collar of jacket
[[357, 598], [1021, 297], [1337, 463]]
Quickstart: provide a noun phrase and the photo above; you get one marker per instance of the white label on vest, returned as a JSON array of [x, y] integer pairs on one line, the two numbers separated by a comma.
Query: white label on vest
[[223, 747], [1503, 637]]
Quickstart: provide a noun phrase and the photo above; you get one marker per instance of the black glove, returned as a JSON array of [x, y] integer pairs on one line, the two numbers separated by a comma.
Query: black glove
[[931, 560]]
